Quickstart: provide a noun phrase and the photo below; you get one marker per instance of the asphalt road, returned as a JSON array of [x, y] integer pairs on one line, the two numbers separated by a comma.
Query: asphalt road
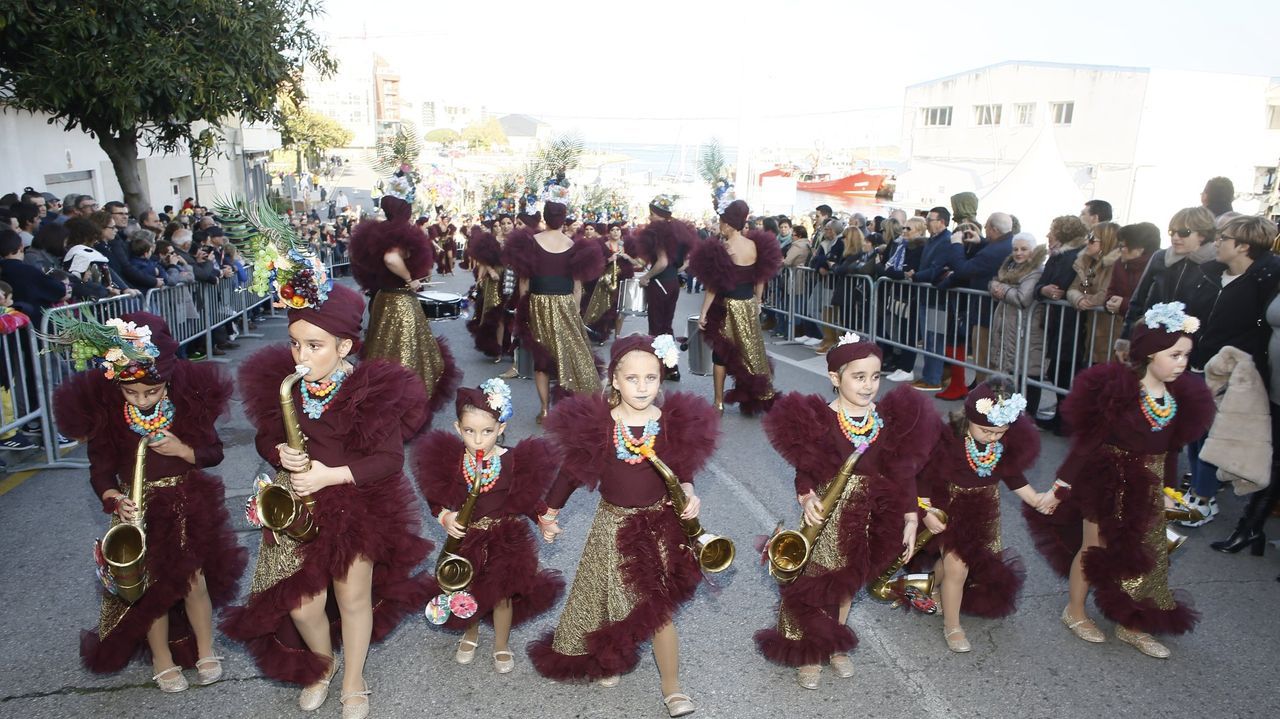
[[1027, 665]]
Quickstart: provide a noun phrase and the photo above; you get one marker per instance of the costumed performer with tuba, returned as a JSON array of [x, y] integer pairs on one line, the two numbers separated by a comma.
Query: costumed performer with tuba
[[735, 272], [991, 441], [390, 260], [1129, 422], [138, 390], [638, 565], [482, 494], [366, 543], [870, 522]]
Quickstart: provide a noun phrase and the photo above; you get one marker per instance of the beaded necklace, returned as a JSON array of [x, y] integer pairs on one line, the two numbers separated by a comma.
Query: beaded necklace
[[147, 425], [1158, 412], [486, 476], [630, 449], [316, 396], [862, 431], [984, 462]]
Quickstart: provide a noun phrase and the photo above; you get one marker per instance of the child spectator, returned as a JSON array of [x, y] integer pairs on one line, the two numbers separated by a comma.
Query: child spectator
[[11, 321], [141, 248]]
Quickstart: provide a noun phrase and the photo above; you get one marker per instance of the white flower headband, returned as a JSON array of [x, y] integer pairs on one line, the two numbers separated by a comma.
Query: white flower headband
[[498, 394], [849, 338], [1172, 317], [664, 346], [1001, 413]]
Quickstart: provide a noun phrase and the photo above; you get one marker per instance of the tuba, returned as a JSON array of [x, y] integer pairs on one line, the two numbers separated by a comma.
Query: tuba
[[715, 553], [887, 588], [788, 550], [453, 571], [124, 547], [282, 510]]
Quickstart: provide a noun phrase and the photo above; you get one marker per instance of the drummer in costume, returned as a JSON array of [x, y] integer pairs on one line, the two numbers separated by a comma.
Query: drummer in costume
[[551, 269], [872, 523], [663, 245], [444, 235], [367, 547], [636, 568], [602, 315], [507, 588], [735, 272], [137, 388], [989, 442], [1129, 423], [390, 260]]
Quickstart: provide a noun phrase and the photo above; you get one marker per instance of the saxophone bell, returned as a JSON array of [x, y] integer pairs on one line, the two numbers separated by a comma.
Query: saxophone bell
[[281, 509], [124, 546], [454, 572], [714, 552], [789, 550], [887, 588]]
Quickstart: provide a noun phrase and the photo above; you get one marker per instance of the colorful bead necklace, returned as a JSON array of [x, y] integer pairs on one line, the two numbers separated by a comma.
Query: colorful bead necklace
[[1159, 412], [984, 462], [630, 449], [486, 476], [862, 431], [316, 396], [147, 425]]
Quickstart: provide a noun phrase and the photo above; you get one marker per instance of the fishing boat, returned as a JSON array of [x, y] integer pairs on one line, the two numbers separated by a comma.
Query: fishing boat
[[861, 183]]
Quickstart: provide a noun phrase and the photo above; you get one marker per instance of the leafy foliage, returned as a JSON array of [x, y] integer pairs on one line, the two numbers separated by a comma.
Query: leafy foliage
[[711, 166], [444, 136], [484, 135], [310, 132], [562, 154], [402, 148], [259, 232]]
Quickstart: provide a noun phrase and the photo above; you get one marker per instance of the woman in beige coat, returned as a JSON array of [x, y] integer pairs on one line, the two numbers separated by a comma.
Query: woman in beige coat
[[798, 254], [1013, 289], [1088, 291]]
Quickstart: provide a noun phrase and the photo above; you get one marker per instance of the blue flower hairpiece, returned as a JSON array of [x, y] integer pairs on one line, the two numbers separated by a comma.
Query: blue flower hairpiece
[[498, 394], [1003, 412], [1172, 316]]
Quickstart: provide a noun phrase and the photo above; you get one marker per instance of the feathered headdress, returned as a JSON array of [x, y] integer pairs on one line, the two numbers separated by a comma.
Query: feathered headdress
[[284, 265]]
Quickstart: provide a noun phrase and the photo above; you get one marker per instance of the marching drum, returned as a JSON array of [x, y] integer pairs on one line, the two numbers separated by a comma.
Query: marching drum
[[440, 305], [631, 301], [699, 350]]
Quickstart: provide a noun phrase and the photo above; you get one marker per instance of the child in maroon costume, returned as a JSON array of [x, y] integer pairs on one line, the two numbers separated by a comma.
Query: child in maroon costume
[[636, 549], [1113, 479], [508, 587], [730, 318], [193, 560], [365, 508], [873, 522], [488, 313]]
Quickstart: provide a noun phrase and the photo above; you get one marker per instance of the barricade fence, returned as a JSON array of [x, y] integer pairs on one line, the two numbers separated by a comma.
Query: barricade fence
[[1044, 345]]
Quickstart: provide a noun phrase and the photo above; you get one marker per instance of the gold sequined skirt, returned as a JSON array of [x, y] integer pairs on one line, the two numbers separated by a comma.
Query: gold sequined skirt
[[603, 296], [557, 327], [113, 608], [742, 327], [1152, 584], [490, 295], [399, 331]]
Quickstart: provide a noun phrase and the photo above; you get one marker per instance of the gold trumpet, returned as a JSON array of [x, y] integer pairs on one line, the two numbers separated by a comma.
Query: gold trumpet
[[124, 546], [887, 588], [789, 550], [281, 509], [453, 571], [715, 553]]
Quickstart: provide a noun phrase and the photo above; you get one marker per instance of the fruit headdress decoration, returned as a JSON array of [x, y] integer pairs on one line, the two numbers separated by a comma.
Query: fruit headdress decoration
[[284, 265]]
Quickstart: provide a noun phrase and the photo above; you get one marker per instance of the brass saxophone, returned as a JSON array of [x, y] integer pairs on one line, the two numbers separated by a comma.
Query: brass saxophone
[[611, 276], [124, 546], [789, 550], [887, 588], [281, 509], [453, 571], [715, 553]]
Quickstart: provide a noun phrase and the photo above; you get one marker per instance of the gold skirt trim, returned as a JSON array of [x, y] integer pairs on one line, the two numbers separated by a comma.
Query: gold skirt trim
[[602, 298], [557, 326], [742, 327], [399, 331], [490, 295], [1154, 584]]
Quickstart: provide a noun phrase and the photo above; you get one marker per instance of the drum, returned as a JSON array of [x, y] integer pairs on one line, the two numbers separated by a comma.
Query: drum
[[699, 351], [631, 301], [440, 305]]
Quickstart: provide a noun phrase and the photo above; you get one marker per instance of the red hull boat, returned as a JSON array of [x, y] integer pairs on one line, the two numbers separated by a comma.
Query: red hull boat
[[856, 184]]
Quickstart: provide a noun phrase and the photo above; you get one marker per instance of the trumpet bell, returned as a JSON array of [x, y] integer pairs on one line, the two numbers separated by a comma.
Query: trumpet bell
[[284, 512], [125, 548], [715, 553], [453, 573]]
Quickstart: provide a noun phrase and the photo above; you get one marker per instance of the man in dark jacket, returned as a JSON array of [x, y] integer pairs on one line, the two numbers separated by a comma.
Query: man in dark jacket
[[33, 290], [933, 271]]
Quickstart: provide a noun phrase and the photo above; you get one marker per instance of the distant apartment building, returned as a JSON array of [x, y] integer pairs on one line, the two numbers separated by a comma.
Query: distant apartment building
[[438, 114], [363, 94], [386, 82], [1037, 139]]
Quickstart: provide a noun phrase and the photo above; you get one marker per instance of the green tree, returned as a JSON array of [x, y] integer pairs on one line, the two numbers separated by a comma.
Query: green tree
[[309, 133], [444, 136], [148, 72], [484, 135]]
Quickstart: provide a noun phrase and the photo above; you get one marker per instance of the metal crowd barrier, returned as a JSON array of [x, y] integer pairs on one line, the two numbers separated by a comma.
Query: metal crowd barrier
[[21, 403], [1069, 341], [837, 302]]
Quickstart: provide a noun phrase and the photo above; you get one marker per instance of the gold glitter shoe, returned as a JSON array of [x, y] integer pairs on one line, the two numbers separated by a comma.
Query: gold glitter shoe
[[678, 704], [313, 696], [720, 408], [464, 655], [510, 374], [807, 676], [356, 709], [959, 644], [1084, 628], [209, 670], [842, 665], [610, 681], [171, 680], [1143, 642]]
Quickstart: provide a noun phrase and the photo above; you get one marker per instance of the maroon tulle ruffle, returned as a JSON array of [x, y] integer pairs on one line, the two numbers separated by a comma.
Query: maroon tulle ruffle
[[747, 387], [372, 240]]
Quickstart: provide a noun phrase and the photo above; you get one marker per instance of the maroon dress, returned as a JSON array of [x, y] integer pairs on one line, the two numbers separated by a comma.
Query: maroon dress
[[675, 239], [600, 305], [488, 308], [1117, 470], [185, 516], [972, 504], [499, 542], [377, 408], [636, 568], [863, 534]]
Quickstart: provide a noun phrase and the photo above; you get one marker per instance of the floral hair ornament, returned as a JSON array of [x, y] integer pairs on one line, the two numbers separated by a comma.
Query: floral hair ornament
[[848, 338], [1172, 316], [497, 394], [1002, 410], [284, 264], [122, 350], [555, 192], [663, 204], [664, 346], [723, 194]]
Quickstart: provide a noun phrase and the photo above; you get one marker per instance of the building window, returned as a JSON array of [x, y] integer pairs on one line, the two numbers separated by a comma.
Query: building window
[[1062, 112], [1274, 123], [1025, 113], [987, 114], [937, 116]]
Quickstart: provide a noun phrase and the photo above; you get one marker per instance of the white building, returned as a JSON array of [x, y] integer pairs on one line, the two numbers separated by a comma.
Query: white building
[[34, 153], [350, 95], [1038, 139]]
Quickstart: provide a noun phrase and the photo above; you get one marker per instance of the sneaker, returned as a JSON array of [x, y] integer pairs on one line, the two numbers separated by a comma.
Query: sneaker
[[810, 341], [900, 375], [17, 443], [925, 386], [1207, 507], [65, 442], [1047, 413]]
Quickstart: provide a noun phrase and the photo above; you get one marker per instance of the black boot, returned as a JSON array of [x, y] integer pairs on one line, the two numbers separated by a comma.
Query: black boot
[[1248, 532]]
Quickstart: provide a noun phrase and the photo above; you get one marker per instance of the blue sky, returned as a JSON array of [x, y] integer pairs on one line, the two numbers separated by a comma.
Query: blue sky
[[672, 71]]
